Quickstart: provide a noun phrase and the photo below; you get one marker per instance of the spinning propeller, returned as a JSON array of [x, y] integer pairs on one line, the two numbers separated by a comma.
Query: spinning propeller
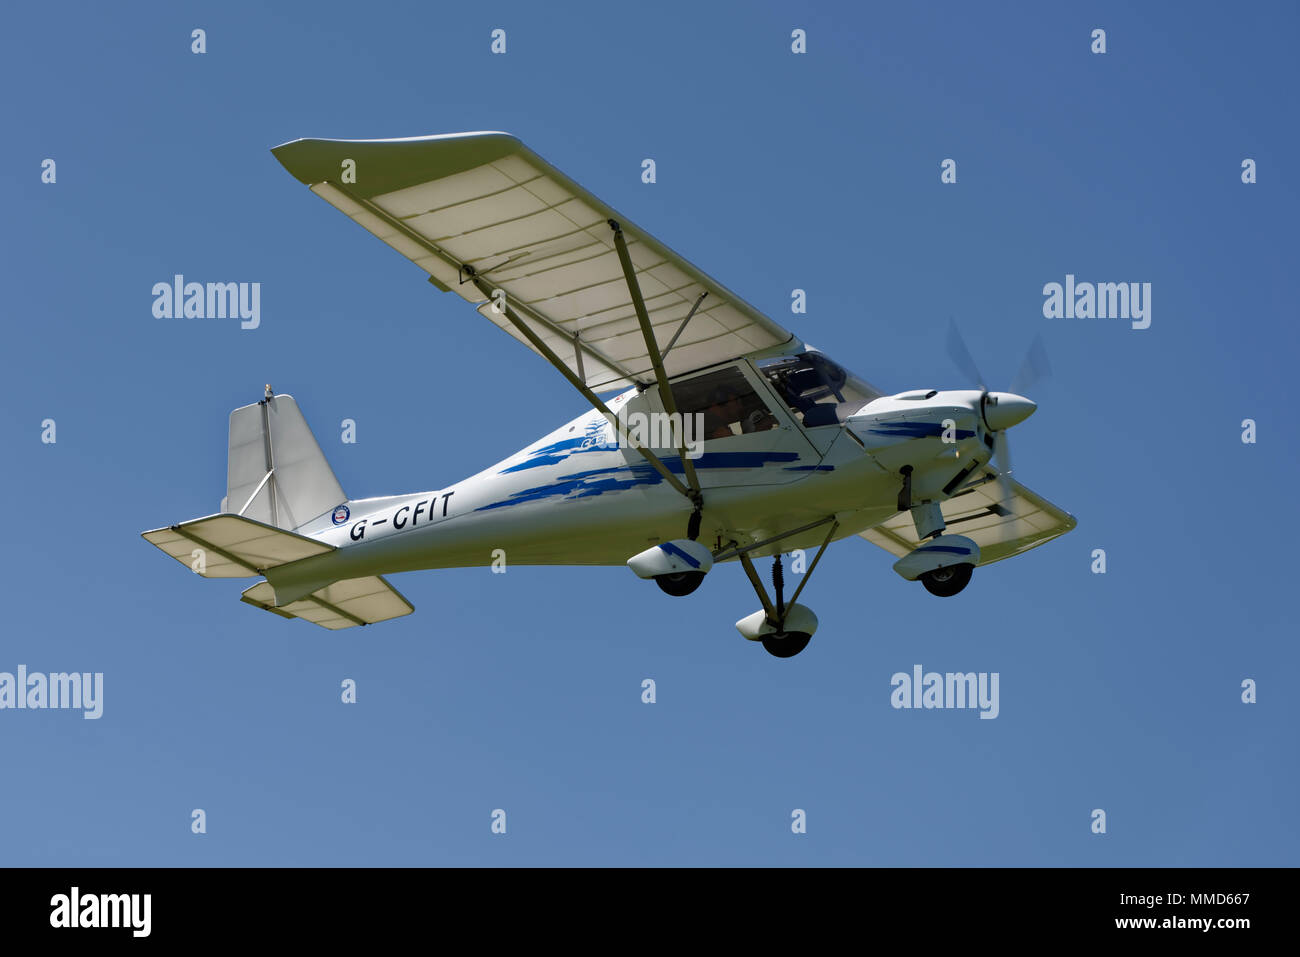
[[1002, 410]]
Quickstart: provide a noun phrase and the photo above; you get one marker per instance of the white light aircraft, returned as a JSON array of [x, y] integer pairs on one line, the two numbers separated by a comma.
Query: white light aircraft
[[729, 439]]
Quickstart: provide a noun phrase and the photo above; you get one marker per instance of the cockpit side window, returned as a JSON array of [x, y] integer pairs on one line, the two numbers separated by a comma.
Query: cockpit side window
[[817, 390], [727, 401]]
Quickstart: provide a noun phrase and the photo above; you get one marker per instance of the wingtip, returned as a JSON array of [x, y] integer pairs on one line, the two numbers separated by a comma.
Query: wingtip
[[315, 159], [427, 137]]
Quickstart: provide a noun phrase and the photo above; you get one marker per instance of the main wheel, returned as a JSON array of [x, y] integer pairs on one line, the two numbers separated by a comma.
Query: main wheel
[[683, 583], [787, 645], [946, 582]]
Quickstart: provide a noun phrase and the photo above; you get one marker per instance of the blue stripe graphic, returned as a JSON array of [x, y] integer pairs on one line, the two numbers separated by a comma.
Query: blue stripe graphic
[[918, 430], [599, 481], [681, 553]]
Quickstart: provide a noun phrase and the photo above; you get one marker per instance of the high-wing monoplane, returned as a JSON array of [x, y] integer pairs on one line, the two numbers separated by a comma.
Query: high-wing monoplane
[[715, 435]]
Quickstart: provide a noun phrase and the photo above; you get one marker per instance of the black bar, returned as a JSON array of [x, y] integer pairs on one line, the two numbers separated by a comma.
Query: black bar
[[982, 909]]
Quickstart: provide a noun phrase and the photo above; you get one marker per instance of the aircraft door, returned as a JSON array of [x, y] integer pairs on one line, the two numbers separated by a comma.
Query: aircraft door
[[739, 436]]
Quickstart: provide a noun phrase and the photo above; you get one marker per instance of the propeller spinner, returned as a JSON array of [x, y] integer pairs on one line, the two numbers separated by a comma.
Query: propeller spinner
[[1001, 410]]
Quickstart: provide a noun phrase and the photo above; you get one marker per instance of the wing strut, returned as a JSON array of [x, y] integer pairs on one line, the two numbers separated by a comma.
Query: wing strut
[[682, 328], [549, 355], [665, 390]]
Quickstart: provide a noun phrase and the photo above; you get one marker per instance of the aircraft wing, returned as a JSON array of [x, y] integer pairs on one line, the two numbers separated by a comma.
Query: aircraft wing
[[487, 200], [1001, 527]]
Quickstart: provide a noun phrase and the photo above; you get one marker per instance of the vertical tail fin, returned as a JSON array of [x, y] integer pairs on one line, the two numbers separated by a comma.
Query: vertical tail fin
[[276, 472]]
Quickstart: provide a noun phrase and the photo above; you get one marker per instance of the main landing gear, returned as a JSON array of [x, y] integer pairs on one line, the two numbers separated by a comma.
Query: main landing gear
[[677, 567], [783, 628], [942, 563], [679, 584]]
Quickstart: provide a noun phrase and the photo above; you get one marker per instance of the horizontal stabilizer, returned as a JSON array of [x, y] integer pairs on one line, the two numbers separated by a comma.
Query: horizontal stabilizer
[[354, 601], [230, 546]]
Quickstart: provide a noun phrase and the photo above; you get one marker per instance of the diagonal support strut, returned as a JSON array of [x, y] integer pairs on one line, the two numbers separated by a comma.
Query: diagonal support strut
[[811, 568], [549, 355], [757, 582], [776, 613], [665, 390]]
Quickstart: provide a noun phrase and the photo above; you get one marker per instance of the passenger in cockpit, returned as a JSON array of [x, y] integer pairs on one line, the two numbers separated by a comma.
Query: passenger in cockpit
[[727, 407], [724, 408]]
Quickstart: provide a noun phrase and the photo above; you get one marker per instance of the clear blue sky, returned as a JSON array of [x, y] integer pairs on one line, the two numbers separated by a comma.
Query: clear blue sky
[[522, 691]]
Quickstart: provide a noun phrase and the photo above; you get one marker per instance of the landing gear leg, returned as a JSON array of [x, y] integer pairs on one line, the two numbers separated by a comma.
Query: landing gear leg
[[784, 628], [697, 514], [784, 643], [779, 638]]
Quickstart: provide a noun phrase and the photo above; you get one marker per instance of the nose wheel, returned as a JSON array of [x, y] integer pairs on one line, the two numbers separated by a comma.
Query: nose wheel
[[784, 628], [786, 644], [946, 582]]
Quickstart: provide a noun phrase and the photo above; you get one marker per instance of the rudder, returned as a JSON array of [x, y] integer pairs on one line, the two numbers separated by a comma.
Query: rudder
[[276, 472]]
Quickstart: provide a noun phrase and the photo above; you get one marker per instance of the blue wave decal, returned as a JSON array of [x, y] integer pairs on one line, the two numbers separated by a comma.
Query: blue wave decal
[[950, 549], [600, 481], [557, 452], [810, 468], [582, 485], [681, 553], [918, 430], [731, 460]]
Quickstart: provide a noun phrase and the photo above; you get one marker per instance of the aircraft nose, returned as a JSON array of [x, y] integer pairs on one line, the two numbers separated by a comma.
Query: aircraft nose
[[1002, 410]]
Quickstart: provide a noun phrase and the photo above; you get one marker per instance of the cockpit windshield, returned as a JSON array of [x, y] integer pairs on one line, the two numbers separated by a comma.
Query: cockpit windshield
[[817, 390]]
